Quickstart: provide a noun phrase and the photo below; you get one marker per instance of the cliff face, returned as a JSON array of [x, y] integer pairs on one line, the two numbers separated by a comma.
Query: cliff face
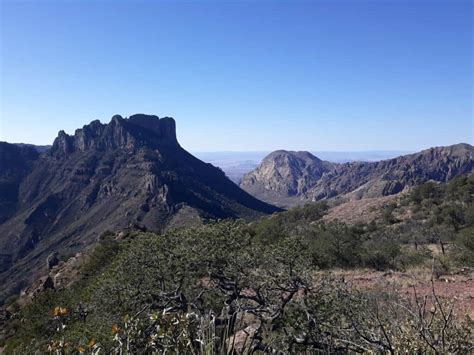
[[129, 173], [287, 178], [137, 131]]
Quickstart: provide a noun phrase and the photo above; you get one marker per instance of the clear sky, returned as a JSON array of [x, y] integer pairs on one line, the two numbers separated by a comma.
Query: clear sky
[[255, 75]]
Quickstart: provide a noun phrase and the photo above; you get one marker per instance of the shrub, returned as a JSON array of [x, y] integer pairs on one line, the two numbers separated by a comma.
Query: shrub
[[464, 247]]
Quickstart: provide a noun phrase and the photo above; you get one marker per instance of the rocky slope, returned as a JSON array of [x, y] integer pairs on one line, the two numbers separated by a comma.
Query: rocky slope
[[289, 178], [127, 173], [15, 164]]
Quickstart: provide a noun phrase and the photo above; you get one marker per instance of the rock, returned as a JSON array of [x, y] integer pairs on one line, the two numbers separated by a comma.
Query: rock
[[136, 131], [52, 260], [42, 284], [241, 341], [48, 283]]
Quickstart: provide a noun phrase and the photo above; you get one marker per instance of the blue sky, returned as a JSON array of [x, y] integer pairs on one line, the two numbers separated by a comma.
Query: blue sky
[[316, 75]]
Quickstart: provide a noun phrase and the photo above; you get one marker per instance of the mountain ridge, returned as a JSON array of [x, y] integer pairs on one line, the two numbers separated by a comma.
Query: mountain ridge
[[355, 179]]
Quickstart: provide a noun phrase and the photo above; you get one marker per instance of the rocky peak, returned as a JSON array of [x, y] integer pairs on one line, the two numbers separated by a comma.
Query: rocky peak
[[287, 172], [298, 160], [128, 133], [63, 144], [163, 127]]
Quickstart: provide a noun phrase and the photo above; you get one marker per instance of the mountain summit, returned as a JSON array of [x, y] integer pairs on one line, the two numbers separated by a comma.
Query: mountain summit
[[135, 132], [283, 175], [129, 173]]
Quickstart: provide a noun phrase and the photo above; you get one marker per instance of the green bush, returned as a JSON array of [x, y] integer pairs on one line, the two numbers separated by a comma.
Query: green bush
[[464, 247], [381, 254]]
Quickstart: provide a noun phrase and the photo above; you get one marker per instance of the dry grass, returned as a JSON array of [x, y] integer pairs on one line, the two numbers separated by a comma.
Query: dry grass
[[457, 286], [359, 211]]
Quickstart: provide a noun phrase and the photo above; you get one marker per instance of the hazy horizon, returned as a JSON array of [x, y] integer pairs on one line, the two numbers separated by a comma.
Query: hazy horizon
[[265, 151], [330, 76]]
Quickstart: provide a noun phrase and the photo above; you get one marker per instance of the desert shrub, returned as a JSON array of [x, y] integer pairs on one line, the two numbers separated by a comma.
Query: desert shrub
[[410, 256], [336, 245], [292, 222], [423, 192], [269, 229], [387, 214], [381, 254], [103, 254], [464, 247]]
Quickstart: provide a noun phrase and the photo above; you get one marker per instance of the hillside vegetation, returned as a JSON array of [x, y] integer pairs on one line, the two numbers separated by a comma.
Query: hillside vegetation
[[230, 286]]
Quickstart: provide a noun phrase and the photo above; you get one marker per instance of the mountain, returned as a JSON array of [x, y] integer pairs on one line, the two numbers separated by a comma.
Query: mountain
[[289, 178], [129, 173], [283, 176]]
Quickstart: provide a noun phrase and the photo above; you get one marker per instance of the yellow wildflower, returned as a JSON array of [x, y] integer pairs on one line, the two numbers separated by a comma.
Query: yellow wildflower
[[60, 311], [115, 329]]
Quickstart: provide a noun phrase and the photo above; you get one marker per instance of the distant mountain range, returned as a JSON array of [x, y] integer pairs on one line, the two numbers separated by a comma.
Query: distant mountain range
[[129, 173], [236, 164], [286, 178], [38, 148]]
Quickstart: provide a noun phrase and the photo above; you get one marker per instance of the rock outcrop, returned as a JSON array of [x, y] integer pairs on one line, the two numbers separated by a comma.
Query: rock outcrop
[[133, 133]]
